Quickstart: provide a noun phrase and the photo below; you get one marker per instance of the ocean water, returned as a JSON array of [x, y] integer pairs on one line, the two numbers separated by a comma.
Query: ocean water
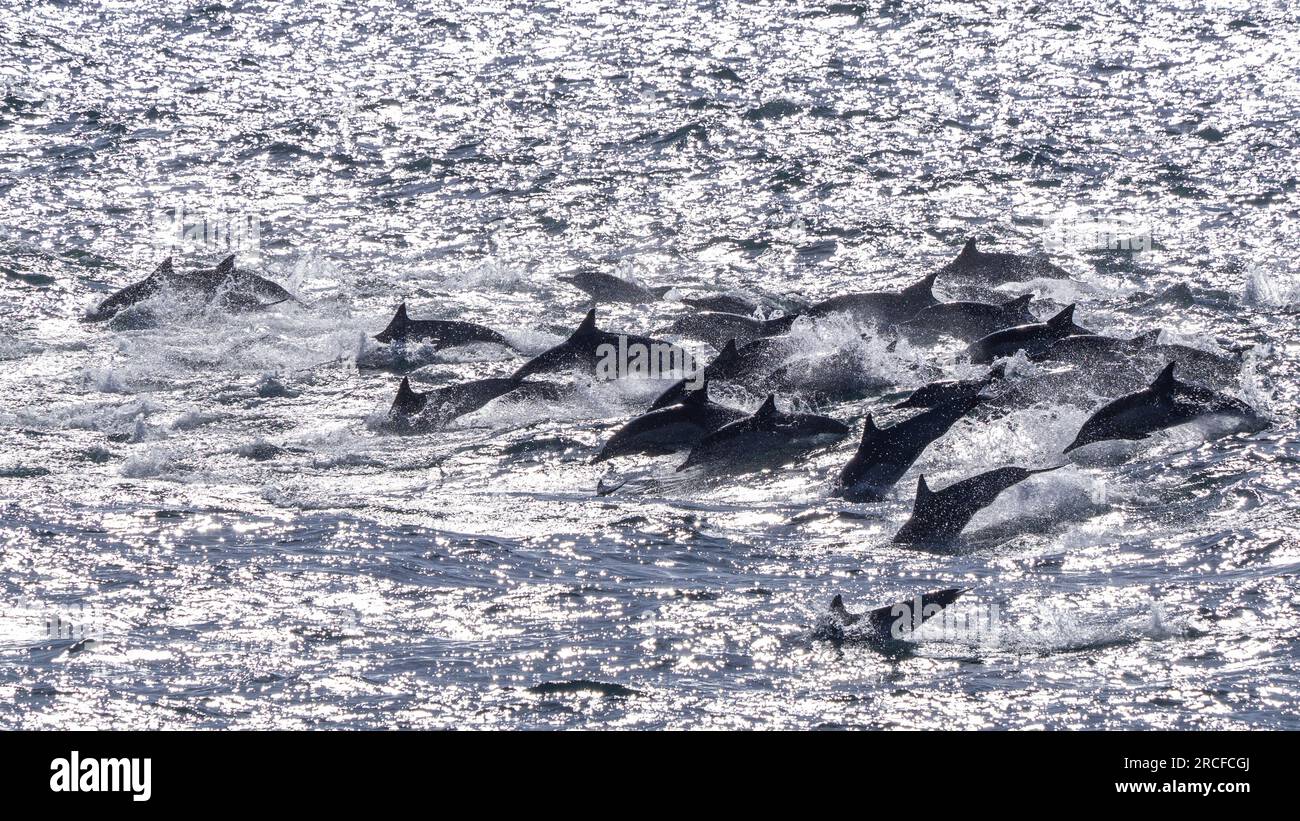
[[203, 525]]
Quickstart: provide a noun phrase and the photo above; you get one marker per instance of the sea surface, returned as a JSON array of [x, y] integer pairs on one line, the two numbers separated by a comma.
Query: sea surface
[[203, 523]]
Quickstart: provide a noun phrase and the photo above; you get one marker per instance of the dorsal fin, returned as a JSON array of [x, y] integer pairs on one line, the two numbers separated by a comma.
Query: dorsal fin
[[837, 603], [164, 269], [588, 325], [1064, 319], [699, 396], [226, 265], [869, 428], [968, 251], [407, 401], [399, 317], [923, 491], [728, 352], [768, 408], [924, 288], [1019, 302], [1165, 382]]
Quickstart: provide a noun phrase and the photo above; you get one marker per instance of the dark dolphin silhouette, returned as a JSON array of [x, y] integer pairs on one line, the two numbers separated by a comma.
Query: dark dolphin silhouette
[[886, 629], [1167, 403], [950, 390], [997, 268], [968, 320], [883, 306], [1033, 338], [716, 328], [673, 428], [233, 289], [1091, 349], [602, 287], [767, 437], [442, 333], [415, 412], [941, 515], [583, 348], [884, 455]]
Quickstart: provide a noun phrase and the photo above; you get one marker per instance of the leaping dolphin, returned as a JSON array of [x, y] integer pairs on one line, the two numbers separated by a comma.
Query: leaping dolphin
[[442, 333], [768, 437], [969, 321], [998, 268], [886, 629], [583, 348], [941, 515], [1167, 403], [673, 428], [414, 412], [231, 288], [885, 454], [1033, 338], [884, 306]]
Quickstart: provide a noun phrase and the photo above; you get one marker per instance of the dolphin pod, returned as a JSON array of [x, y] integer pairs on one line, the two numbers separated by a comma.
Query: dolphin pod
[[756, 354]]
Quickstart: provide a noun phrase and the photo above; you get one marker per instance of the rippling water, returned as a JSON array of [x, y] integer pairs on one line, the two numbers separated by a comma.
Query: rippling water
[[207, 513]]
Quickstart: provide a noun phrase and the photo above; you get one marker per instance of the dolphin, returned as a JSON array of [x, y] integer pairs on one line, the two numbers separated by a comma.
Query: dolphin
[[1166, 403], [602, 287], [882, 306], [716, 327], [885, 629], [1084, 349], [950, 390], [443, 333], [231, 288], [969, 320], [884, 455], [1033, 338], [999, 268], [672, 428], [584, 348], [414, 412], [941, 515], [766, 437], [1206, 366]]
